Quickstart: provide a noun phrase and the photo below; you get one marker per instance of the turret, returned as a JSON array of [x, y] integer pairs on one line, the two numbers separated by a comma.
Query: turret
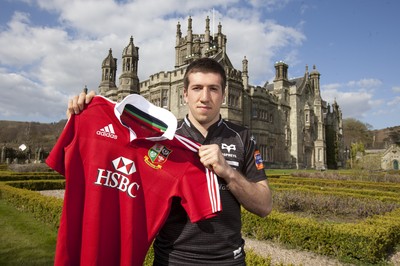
[[207, 34], [314, 78], [178, 34], [107, 85], [281, 81], [129, 81], [245, 73], [281, 71], [189, 36]]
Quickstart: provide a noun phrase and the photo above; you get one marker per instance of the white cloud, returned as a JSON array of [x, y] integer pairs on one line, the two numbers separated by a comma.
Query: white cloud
[[42, 66], [331, 87], [365, 83], [23, 44], [260, 42], [363, 100], [396, 89], [353, 104], [355, 98], [394, 102], [29, 101], [270, 5]]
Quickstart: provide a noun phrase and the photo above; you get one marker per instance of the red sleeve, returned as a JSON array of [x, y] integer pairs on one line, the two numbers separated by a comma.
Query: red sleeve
[[200, 193], [56, 158]]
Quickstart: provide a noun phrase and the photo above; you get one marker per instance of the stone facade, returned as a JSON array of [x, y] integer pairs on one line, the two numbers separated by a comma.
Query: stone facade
[[391, 158], [288, 117]]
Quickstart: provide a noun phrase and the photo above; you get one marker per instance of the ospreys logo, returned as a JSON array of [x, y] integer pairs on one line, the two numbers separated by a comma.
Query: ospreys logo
[[157, 155], [224, 146]]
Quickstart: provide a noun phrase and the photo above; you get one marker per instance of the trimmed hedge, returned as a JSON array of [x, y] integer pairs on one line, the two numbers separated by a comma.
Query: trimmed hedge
[[330, 207], [12, 176], [37, 185], [45, 209], [351, 175], [48, 209], [377, 195], [368, 241], [334, 184]]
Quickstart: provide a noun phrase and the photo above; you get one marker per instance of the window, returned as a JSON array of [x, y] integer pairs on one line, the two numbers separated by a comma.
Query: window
[[128, 64], [181, 99], [254, 112], [164, 98]]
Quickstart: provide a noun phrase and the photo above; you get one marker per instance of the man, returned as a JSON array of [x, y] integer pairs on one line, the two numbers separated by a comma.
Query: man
[[231, 152]]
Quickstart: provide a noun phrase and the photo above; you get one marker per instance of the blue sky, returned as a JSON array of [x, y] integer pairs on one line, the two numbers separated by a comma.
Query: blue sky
[[51, 49]]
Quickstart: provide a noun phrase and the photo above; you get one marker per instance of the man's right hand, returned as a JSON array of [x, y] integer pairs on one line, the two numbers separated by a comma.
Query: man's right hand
[[77, 103]]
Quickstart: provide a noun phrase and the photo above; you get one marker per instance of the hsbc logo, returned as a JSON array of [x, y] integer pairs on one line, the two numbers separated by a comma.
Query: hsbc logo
[[124, 165], [116, 180]]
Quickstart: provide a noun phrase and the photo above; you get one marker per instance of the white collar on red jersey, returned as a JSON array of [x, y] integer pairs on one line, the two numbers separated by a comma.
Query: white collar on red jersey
[[160, 113]]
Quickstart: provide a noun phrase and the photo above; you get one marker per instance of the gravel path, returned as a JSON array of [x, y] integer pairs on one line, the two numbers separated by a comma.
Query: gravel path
[[279, 254], [59, 193]]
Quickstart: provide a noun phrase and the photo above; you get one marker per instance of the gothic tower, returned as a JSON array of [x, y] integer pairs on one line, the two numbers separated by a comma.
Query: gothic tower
[[107, 86], [194, 46], [319, 144], [281, 81], [128, 80]]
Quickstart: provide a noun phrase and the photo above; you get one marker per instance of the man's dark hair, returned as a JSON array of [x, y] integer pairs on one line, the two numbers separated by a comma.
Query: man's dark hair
[[205, 65]]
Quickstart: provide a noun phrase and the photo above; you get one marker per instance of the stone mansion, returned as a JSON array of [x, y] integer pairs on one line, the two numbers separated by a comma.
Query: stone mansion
[[293, 125]]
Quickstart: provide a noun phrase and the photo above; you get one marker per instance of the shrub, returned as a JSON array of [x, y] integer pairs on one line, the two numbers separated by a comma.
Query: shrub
[[377, 176], [332, 205], [45, 209], [29, 167], [369, 241]]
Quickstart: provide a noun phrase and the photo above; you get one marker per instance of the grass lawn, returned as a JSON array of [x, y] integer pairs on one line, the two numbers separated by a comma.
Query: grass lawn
[[24, 240]]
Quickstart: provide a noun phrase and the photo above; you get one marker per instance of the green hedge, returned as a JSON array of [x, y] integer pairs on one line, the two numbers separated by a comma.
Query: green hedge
[[45, 209], [334, 184], [368, 241], [367, 194], [37, 185], [13, 176], [21, 195]]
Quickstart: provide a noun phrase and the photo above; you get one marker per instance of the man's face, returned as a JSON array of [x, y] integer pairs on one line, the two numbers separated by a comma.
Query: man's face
[[204, 97]]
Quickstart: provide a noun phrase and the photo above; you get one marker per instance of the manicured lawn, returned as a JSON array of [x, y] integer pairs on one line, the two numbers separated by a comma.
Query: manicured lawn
[[24, 240]]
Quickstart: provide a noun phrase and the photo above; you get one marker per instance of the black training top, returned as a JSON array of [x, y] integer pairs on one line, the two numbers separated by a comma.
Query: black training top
[[217, 240]]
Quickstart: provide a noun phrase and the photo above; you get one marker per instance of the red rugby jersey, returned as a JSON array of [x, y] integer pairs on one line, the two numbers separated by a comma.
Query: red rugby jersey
[[123, 164]]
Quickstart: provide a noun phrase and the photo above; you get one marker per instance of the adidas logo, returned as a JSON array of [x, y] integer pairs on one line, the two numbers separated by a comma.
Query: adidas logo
[[107, 131]]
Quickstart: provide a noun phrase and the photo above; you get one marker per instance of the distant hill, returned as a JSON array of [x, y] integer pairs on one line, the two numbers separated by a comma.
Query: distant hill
[[382, 138], [32, 134]]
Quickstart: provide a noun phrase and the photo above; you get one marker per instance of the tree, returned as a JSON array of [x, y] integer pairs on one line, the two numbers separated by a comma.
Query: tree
[[355, 131], [394, 135]]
